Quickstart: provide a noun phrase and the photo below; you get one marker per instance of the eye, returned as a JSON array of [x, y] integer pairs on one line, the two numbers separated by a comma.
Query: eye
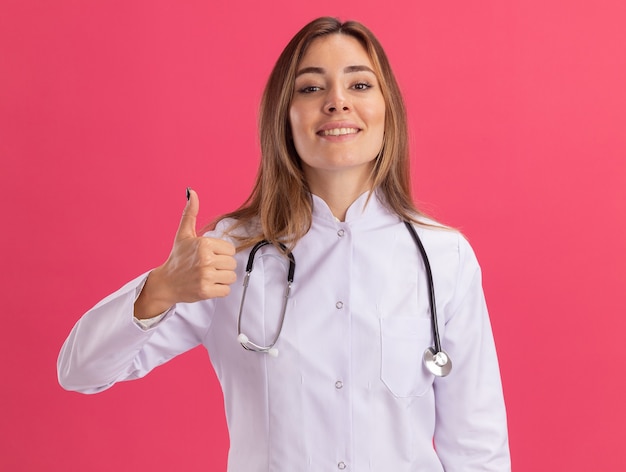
[[362, 86], [309, 89]]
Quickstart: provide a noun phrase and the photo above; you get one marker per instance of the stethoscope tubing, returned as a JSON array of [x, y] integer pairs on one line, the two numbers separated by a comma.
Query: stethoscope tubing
[[435, 359], [245, 342], [431, 285]]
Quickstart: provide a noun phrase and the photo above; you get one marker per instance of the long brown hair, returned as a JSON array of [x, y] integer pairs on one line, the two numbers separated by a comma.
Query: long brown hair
[[280, 200]]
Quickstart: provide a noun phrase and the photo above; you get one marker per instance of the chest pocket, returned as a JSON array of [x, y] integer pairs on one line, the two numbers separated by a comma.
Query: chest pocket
[[403, 342]]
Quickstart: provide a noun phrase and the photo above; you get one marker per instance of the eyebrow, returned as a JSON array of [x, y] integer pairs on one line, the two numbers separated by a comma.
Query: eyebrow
[[320, 70]]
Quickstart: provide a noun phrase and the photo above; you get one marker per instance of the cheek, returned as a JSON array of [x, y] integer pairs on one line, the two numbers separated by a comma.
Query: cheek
[[381, 112], [374, 112], [295, 124], [299, 125], [376, 117]]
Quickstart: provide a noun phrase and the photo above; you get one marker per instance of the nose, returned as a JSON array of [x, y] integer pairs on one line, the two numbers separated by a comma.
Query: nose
[[331, 108], [336, 102]]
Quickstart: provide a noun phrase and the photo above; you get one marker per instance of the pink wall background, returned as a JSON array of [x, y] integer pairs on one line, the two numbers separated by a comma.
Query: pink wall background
[[108, 110]]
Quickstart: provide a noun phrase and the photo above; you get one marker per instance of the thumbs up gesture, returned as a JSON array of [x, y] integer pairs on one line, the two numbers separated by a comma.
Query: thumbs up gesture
[[198, 268]]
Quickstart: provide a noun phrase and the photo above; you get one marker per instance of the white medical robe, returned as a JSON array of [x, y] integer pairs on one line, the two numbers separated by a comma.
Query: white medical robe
[[348, 390]]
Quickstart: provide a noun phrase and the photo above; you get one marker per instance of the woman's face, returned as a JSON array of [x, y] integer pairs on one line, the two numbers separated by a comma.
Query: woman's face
[[337, 114]]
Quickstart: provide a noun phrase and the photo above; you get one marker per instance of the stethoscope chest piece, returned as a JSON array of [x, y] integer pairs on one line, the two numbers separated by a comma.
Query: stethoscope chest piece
[[438, 363]]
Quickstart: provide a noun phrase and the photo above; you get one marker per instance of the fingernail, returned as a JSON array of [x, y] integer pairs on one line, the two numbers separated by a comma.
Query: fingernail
[[188, 194]]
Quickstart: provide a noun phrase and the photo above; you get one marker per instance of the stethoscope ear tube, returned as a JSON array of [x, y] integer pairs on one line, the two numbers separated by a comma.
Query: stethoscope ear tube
[[436, 360]]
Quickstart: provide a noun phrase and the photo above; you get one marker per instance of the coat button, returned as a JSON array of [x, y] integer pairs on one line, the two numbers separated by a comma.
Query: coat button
[[341, 465], [338, 384], [339, 305], [340, 233]]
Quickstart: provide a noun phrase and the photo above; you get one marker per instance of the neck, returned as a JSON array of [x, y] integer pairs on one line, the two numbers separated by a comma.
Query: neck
[[338, 191]]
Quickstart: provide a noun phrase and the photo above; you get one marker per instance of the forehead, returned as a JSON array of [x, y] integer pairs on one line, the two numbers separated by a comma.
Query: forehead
[[337, 48]]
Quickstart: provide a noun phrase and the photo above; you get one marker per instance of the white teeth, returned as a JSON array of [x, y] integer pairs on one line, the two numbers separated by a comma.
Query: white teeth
[[339, 131]]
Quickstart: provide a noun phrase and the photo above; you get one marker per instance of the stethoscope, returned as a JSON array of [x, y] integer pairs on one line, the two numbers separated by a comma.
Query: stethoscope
[[435, 359]]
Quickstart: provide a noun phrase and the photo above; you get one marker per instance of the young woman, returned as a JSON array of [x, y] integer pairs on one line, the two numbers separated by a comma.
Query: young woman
[[318, 337]]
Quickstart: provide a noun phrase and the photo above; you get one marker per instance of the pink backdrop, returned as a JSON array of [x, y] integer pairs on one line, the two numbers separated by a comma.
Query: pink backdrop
[[109, 109]]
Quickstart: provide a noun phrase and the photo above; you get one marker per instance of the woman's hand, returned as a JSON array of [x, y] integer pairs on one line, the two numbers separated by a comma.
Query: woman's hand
[[198, 268]]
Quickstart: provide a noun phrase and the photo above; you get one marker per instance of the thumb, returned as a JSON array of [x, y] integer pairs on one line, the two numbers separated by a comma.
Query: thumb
[[187, 227]]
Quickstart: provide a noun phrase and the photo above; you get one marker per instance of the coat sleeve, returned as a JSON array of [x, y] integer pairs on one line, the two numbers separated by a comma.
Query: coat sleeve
[[106, 345], [471, 427]]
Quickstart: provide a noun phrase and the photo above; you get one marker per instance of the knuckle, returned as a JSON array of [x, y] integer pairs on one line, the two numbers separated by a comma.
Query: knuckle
[[206, 290], [224, 290]]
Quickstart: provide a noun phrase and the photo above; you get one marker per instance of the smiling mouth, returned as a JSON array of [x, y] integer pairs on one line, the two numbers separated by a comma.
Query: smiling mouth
[[338, 131]]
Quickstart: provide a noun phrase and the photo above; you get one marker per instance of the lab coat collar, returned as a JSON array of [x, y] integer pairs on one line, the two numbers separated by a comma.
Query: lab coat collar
[[361, 209]]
